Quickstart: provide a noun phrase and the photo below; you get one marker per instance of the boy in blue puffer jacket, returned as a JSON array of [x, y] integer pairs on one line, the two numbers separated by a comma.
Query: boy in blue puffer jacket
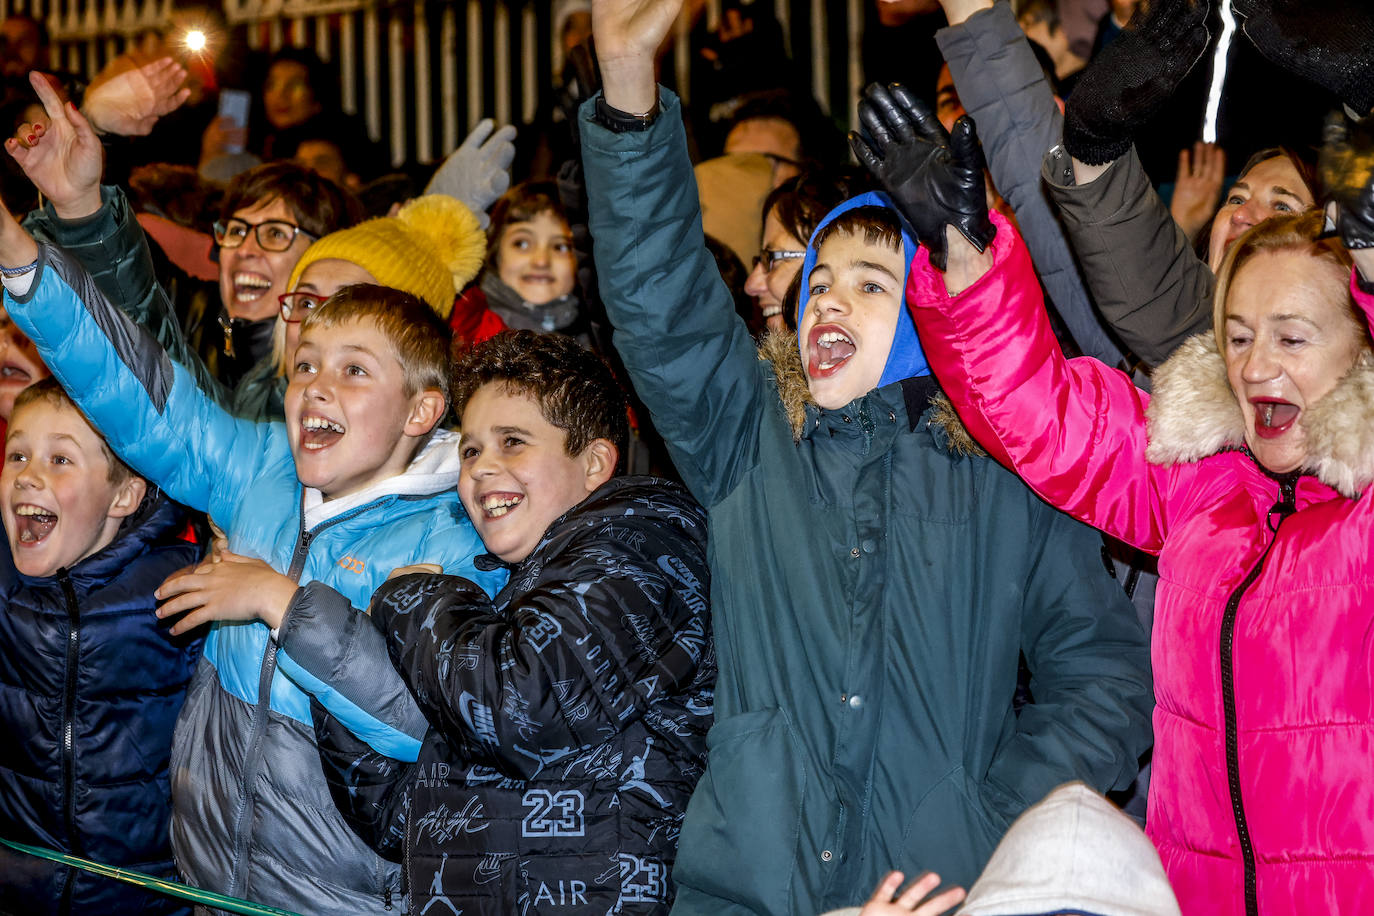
[[356, 483], [87, 675]]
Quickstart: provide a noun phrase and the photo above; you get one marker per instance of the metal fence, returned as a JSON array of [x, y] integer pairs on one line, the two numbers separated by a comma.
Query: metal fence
[[421, 73]]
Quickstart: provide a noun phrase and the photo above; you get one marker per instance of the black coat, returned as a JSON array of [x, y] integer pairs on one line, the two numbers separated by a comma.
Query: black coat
[[83, 658], [570, 716]]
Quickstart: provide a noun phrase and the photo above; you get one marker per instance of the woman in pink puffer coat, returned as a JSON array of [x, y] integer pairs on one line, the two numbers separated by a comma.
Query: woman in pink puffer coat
[[1248, 474]]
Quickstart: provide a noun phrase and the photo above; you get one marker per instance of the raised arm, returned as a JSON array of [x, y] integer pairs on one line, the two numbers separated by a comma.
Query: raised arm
[[148, 408], [1003, 89], [689, 355], [95, 225], [1137, 262]]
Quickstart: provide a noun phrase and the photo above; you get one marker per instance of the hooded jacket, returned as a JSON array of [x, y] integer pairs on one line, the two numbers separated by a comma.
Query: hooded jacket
[[91, 686], [873, 583], [1261, 799], [570, 717], [252, 814]]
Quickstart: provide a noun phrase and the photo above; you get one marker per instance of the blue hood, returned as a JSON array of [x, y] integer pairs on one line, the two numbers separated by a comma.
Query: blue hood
[[906, 358]]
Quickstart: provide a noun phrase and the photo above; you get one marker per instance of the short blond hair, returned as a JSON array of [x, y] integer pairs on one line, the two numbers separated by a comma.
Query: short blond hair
[[420, 340], [1302, 233]]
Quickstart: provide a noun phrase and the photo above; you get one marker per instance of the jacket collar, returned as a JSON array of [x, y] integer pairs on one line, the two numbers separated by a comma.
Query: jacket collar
[[433, 470], [1193, 414], [919, 395]]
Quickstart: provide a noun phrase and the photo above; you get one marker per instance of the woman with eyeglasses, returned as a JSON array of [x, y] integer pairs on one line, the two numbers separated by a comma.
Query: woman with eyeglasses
[[790, 214]]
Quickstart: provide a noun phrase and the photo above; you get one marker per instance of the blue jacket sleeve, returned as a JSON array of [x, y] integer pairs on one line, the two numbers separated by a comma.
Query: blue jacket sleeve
[[113, 248], [1004, 89], [689, 355], [149, 409]]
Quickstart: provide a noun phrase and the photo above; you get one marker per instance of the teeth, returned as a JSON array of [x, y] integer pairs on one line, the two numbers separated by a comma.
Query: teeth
[[1268, 414], [34, 511], [830, 338], [772, 311], [252, 280], [498, 505], [321, 423]]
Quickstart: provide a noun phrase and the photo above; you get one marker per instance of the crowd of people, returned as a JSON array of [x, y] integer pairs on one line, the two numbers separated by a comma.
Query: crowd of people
[[495, 540]]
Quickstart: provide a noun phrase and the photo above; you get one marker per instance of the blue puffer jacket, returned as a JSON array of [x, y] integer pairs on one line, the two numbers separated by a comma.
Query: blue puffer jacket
[[252, 812], [90, 687]]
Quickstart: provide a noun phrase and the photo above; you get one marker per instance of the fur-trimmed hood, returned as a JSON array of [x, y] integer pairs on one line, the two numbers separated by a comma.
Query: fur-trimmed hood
[[1194, 414], [781, 350]]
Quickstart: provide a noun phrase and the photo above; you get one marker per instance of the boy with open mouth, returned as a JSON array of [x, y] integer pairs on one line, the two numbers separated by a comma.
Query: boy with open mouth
[[93, 682], [575, 703], [875, 578], [357, 482]]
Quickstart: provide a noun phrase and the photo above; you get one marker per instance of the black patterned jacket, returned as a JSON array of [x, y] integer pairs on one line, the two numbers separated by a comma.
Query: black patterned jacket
[[569, 717]]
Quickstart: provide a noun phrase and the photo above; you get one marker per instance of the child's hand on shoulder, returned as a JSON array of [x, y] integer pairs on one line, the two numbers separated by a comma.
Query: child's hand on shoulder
[[228, 587], [912, 902]]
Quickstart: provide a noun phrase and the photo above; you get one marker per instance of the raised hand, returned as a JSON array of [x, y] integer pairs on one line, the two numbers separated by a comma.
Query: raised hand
[[628, 35], [935, 178], [127, 99], [1133, 78], [478, 171], [65, 160], [912, 902], [1347, 173], [1331, 45], [1197, 186]]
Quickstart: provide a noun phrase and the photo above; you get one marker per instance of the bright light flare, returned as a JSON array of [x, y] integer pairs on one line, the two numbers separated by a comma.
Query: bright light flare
[[1228, 31], [195, 40]]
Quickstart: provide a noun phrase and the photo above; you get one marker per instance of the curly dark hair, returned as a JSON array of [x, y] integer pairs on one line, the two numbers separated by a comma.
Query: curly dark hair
[[574, 387]]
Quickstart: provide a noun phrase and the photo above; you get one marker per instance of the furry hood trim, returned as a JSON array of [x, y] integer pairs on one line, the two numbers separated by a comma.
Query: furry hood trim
[[781, 350], [1194, 414]]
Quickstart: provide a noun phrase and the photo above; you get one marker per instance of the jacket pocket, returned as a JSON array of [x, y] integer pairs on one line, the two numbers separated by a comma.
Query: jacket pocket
[[739, 839], [951, 831]]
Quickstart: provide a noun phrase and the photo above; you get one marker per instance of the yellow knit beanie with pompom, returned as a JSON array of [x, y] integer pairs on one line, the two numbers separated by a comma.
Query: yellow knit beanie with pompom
[[431, 248]]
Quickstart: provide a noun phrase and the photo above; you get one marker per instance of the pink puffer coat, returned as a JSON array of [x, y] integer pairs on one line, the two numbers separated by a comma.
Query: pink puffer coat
[[1262, 799]]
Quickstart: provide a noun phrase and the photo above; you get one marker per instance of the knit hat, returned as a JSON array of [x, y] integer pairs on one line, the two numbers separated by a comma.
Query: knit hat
[[431, 248]]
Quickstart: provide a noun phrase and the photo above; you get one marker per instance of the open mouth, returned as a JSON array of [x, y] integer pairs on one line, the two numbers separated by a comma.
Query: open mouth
[[33, 523], [499, 505], [250, 287], [10, 374], [1273, 417], [772, 311], [829, 347], [320, 433]]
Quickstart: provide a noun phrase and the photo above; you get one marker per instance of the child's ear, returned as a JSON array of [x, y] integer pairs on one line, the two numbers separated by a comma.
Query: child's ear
[[128, 497], [598, 461], [426, 409]]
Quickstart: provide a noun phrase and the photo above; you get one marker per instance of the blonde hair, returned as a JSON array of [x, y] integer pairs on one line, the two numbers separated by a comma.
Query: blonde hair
[[1300, 233]]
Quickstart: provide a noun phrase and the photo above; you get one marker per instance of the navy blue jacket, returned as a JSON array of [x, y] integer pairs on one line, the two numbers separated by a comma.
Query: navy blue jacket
[[90, 688]]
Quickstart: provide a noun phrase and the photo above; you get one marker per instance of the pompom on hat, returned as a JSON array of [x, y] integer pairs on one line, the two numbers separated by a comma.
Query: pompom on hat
[[431, 248]]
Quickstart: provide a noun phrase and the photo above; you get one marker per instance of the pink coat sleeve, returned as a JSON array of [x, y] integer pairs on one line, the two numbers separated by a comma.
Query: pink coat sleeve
[[1074, 430]]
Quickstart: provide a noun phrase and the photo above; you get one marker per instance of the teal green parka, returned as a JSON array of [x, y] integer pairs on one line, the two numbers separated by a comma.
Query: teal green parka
[[874, 581]]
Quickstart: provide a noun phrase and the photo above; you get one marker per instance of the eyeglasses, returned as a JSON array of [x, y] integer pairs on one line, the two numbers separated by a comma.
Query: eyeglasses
[[770, 258], [272, 234], [295, 306]]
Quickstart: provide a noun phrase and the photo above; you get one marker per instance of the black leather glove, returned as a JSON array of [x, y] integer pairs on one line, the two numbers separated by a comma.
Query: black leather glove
[[934, 178], [1329, 43], [1131, 79], [1347, 173]]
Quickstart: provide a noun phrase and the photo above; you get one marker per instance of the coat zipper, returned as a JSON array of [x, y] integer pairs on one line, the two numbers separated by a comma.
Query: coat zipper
[[68, 730], [1285, 507], [243, 821]]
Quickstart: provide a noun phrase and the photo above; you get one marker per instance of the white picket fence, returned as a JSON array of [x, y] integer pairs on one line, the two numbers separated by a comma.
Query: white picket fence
[[422, 73]]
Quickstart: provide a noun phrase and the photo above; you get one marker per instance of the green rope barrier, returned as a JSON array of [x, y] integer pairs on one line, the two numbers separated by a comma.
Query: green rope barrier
[[161, 885]]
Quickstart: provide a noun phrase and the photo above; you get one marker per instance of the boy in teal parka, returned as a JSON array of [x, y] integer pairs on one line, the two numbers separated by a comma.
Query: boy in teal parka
[[875, 577]]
